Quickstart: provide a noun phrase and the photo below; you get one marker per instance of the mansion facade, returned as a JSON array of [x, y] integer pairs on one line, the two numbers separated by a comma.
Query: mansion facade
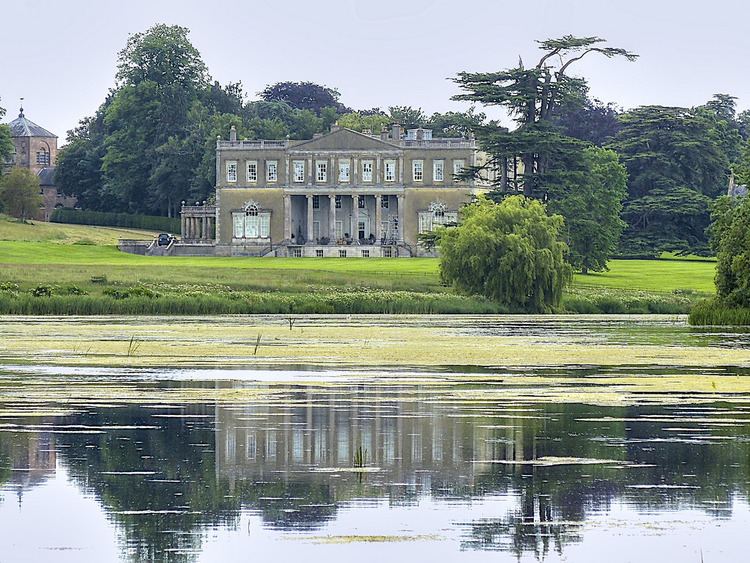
[[340, 194]]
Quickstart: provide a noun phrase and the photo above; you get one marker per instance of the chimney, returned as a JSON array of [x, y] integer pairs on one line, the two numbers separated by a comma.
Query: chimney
[[335, 127], [420, 134], [384, 133], [396, 132], [233, 134]]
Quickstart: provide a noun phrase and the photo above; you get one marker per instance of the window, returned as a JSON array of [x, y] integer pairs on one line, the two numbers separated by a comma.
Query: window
[[390, 170], [367, 170], [318, 253], [387, 252], [342, 253], [316, 202], [437, 216], [360, 230], [339, 230], [437, 170], [384, 202], [366, 253], [252, 171], [344, 171], [338, 201], [458, 166], [251, 447], [42, 157], [231, 170], [361, 202], [252, 223], [272, 171], [299, 170], [271, 444], [321, 168], [316, 230], [417, 169], [296, 252]]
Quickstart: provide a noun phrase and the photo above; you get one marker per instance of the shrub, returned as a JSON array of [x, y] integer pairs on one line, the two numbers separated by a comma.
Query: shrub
[[42, 291], [104, 219]]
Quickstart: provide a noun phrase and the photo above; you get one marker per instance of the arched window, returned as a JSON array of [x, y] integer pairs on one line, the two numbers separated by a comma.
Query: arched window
[[251, 210]]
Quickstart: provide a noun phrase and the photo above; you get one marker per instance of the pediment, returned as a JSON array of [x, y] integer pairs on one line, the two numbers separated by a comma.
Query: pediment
[[345, 140]]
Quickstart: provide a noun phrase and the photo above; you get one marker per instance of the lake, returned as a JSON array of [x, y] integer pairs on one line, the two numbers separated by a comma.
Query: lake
[[338, 439]]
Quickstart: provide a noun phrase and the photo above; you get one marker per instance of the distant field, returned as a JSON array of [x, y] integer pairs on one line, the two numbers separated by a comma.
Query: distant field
[[45, 253]]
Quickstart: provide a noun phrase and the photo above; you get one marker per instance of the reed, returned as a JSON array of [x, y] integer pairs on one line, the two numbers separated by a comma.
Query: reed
[[713, 312]]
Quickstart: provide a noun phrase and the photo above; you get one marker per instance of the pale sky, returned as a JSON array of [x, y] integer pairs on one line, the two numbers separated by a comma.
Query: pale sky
[[61, 55]]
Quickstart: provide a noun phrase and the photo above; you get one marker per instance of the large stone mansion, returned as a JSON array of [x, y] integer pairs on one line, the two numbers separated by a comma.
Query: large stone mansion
[[340, 194]]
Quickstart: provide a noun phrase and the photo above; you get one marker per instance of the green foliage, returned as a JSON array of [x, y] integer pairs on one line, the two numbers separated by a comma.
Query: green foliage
[[6, 145], [509, 252], [103, 219], [531, 96], [19, 193], [715, 312], [591, 205], [359, 121], [677, 161], [730, 236], [304, 96]]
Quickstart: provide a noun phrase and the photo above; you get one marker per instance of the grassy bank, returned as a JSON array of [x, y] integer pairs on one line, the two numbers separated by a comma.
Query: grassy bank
[[72, 269], [712, 312]]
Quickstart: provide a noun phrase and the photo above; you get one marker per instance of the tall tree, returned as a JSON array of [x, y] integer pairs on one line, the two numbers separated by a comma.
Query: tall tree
[[19, 193], [587, 119], [676, 165], [304, 95], [591, 206], [531, 95], [6, 144]]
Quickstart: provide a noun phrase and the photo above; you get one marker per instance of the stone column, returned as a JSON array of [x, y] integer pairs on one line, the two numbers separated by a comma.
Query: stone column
[[332, 218], [183, 227], [378, 217], [205, 228], [400, 169], [400, 217], [287, 218], [309, 219], [355, 218]]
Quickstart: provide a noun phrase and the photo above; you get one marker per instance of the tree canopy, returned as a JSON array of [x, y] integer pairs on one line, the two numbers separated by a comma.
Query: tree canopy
[[531, 95], [6, 144], [678, 160], [511, 252], [730, 239], [305, 96], [19, 193], [591, 206]]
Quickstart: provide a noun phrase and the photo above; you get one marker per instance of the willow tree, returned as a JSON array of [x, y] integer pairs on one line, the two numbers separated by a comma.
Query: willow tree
[[511, 252], [531, 95]]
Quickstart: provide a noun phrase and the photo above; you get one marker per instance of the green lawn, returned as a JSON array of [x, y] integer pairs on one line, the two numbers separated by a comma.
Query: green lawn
[[60, 255]]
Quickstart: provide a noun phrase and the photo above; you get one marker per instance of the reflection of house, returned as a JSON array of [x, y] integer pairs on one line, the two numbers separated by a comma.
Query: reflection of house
[[342, 194], [403, 438], [32, 457], [35, 149]]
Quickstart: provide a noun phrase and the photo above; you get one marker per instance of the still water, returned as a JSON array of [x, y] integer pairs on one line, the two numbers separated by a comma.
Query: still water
[[260, 464]]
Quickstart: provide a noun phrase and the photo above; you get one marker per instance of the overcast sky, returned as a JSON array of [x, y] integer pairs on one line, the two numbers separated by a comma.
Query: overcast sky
[[61, 56]]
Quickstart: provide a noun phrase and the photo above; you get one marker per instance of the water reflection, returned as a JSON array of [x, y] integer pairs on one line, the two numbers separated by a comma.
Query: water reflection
[[525, 480]]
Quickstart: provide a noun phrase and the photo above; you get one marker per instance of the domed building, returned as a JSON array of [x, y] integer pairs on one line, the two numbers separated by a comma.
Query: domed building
[[35, 149]]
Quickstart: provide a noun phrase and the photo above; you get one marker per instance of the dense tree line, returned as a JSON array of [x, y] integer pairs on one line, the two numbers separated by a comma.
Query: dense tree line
[[634, 182], [151, 144]]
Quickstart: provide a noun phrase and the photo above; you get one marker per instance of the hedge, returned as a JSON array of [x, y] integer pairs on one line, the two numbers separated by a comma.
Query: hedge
[[104, 219]]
